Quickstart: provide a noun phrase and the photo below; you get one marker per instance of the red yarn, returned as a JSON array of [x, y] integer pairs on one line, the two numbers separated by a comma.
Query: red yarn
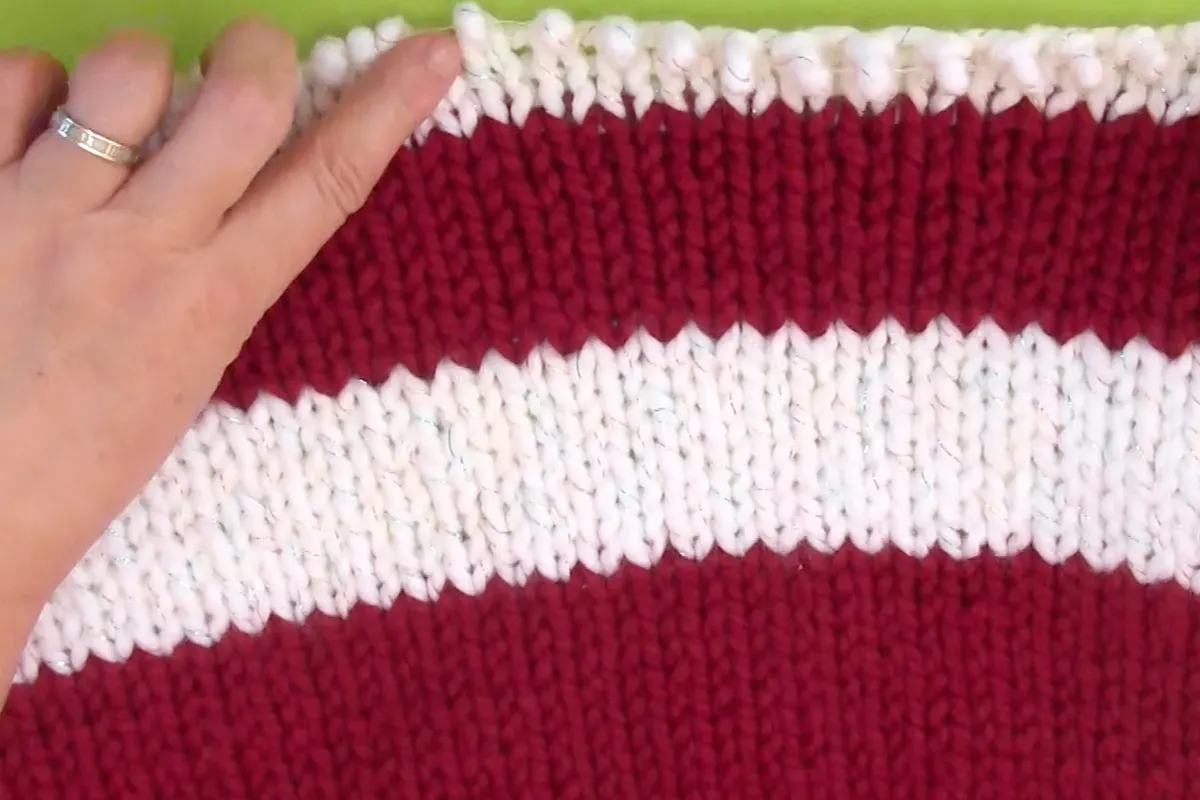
[[840, 676], [557, 232], [817, 676]]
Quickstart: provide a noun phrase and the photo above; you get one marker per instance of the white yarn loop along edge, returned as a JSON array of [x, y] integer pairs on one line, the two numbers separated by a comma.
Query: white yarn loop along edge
[[566, 67]]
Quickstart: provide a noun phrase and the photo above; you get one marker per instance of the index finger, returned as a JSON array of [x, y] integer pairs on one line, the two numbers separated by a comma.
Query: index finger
[[300, 200]]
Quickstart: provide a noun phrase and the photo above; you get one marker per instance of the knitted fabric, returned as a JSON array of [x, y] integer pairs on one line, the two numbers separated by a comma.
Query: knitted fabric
[[697, 414]]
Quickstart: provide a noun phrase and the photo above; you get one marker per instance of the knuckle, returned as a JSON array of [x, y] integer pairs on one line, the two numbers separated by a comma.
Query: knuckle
[[130, 54], [339, 179], [134, 63], [258, 91], [222, 310], [89, 295], [23, 69], [255, 103], [267, 41]]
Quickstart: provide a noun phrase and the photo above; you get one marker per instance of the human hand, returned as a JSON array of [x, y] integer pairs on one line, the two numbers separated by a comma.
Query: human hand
[[125, 292]]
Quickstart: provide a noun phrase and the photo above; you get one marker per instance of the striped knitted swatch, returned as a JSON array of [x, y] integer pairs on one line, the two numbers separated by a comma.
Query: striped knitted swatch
[[688, 414]]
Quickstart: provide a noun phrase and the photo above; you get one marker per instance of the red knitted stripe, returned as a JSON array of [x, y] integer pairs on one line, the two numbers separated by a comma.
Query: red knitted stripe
[[557, 231], [809, 676]]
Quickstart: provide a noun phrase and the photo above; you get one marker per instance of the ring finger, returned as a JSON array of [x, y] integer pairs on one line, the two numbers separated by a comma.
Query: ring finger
[[119, 91]]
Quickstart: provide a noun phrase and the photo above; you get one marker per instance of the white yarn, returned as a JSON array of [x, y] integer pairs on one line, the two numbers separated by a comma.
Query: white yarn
[[963, 443], [510, 69]]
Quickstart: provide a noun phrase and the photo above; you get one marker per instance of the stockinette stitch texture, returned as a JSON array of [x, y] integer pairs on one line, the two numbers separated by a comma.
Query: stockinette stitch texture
[[689, 413]]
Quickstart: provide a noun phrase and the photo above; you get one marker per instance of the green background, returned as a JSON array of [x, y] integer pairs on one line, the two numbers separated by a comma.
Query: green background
[[66, 27]]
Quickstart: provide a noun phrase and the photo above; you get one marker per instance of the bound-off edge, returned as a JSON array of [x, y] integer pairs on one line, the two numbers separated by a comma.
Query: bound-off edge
[[566, 67]]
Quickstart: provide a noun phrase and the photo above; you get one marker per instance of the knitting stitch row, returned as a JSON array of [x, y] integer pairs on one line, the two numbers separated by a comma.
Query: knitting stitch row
[[568, 67], [929, 441]]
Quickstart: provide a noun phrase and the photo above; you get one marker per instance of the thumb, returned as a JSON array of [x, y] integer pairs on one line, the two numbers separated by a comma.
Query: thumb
[[326, 175]]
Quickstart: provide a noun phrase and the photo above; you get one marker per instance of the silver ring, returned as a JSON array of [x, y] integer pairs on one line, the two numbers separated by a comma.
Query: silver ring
[[87, 139]]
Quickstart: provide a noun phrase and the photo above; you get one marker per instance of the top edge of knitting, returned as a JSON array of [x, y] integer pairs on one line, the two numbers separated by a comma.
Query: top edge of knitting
[[567, 67]]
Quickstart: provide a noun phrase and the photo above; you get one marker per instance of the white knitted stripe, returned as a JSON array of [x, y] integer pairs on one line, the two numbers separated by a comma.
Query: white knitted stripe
[[923, 441], [567, 67]]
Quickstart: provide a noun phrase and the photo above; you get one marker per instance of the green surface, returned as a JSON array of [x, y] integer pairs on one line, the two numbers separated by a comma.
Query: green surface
[[66, 27]]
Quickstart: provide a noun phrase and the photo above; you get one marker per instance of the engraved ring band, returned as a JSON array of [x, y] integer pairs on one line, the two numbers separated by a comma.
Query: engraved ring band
[[87, 139]]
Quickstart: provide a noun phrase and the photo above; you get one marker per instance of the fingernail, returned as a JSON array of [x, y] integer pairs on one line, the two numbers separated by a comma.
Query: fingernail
[[442, 56]]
